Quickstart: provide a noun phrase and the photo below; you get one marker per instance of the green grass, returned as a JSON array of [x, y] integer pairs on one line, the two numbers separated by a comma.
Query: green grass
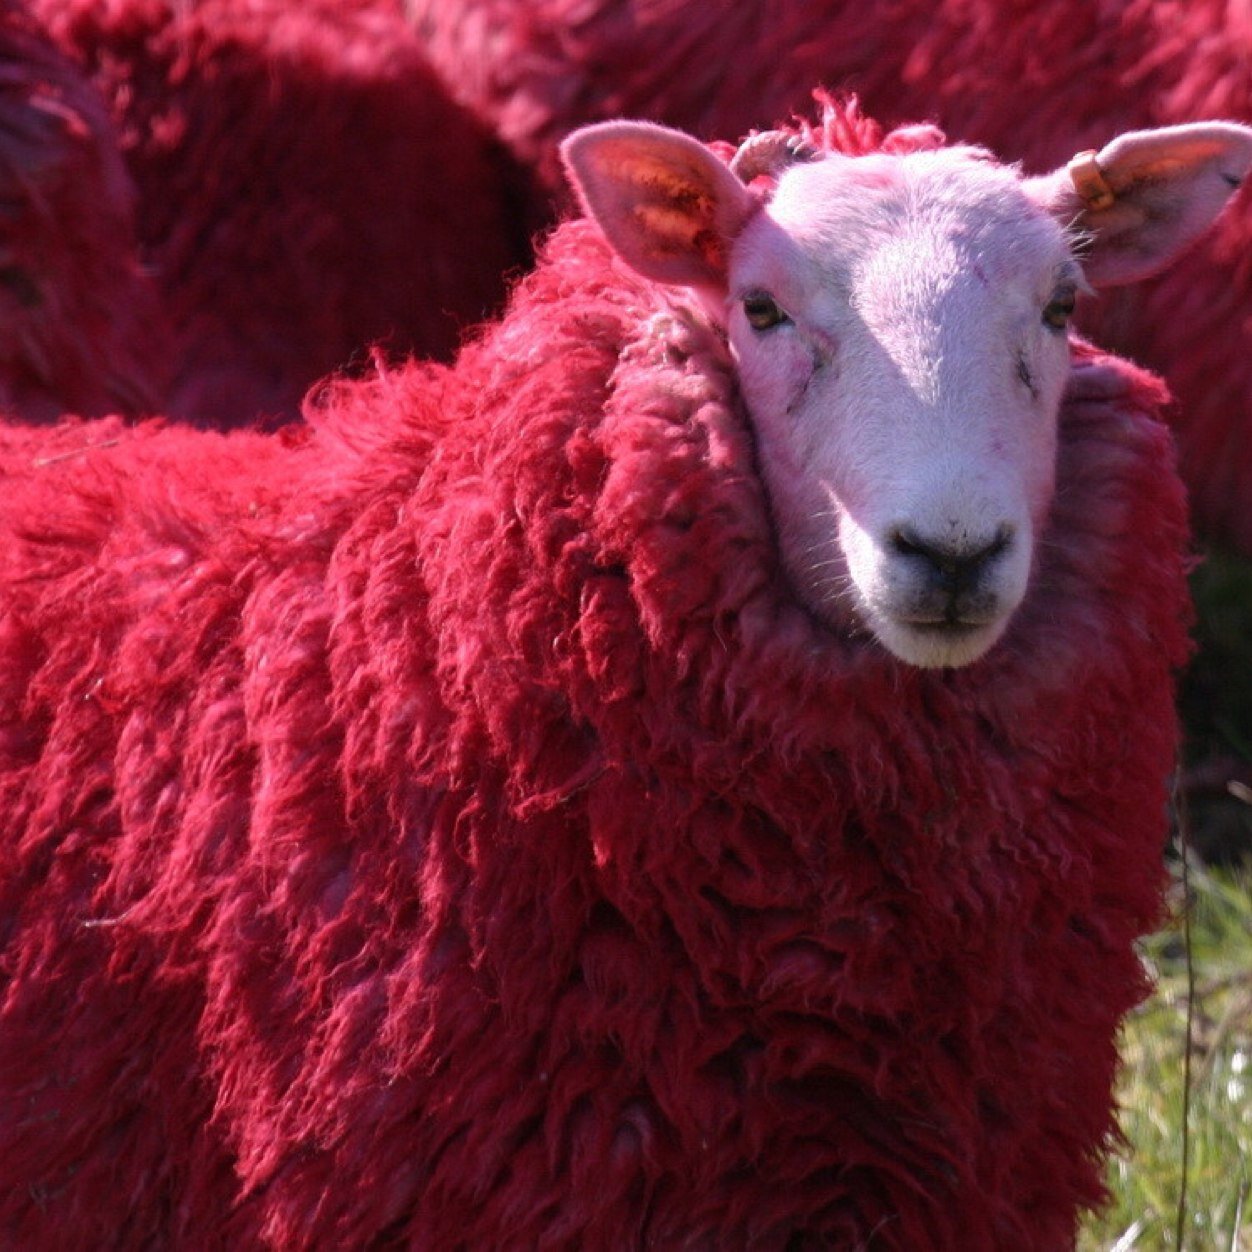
[[1146, 1179]]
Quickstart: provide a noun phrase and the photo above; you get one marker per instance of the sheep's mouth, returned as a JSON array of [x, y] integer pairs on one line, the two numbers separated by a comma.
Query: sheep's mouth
[[943, 643], [926, 608], [953, 622]]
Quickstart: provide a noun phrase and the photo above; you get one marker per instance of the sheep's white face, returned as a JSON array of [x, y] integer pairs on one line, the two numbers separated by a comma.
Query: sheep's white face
[[899, 324], [899, 327]]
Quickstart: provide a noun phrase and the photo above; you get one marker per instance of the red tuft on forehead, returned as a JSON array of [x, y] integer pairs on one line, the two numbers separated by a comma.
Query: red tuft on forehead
[[839, 129], [842, 128]]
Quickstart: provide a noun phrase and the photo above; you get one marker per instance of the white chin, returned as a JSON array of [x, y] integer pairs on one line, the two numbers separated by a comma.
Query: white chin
[[937, 646]]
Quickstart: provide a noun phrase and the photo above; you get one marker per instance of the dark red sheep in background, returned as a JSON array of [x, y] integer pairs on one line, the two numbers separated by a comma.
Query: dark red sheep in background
[[444, 826], [1034, 82], [305, 188], [79, 330]]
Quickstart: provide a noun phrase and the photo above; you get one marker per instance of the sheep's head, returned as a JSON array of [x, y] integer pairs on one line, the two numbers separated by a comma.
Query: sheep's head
[[899, 327]]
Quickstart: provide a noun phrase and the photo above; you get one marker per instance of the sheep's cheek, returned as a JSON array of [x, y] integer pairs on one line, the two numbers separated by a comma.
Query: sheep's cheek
[[776, 371], [1053, 369]]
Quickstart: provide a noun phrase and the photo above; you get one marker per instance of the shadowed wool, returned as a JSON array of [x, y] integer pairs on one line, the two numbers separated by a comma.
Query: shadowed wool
[[444, 828], [305, 188], [79, 324]]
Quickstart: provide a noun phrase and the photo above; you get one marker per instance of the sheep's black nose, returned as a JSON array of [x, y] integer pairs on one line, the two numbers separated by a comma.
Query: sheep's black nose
[[952, 566]]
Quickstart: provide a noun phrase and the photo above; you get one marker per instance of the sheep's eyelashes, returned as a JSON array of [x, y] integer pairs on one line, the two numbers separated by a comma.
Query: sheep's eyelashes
[[762, 311]]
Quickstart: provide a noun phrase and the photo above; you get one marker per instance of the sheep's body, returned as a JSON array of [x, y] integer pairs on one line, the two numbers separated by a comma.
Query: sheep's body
[[306, 187], [1032, 82], [79, 330], [444, 828]]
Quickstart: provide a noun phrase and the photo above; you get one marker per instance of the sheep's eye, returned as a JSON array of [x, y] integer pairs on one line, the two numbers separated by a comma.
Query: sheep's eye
[[762, 312], [1058, 310]]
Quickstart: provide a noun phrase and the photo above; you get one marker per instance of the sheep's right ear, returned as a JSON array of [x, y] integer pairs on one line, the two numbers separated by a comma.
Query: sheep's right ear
[[668, 206]]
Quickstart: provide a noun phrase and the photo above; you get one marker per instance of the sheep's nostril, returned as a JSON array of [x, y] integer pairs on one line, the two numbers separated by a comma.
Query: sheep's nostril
[[954, 565], [907, 544]]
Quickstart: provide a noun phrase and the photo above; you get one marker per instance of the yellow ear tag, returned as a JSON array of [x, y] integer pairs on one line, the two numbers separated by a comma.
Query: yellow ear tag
[[1089, 181]]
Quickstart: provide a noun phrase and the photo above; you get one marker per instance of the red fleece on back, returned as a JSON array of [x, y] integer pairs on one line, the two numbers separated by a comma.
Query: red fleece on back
[[444, 828]]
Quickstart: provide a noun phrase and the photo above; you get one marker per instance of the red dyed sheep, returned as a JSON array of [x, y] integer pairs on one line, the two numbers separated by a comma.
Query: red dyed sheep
[[1034, 82], [475, 820], [306, 187], [78, 317]]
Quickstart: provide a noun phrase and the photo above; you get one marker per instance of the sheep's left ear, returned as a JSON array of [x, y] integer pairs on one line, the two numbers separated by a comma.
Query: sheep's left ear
[[1148, 195], [668, 206]]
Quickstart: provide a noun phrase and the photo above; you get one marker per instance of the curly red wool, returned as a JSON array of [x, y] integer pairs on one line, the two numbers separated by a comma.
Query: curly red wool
[[442, 827]]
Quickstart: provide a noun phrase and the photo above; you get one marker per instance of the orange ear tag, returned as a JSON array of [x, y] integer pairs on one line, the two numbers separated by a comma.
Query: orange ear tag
[[1089, 181]]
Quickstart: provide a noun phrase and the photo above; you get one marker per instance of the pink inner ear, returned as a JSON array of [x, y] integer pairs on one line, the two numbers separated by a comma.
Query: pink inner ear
[[1176, 151], [667, 205], [712, 248]]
